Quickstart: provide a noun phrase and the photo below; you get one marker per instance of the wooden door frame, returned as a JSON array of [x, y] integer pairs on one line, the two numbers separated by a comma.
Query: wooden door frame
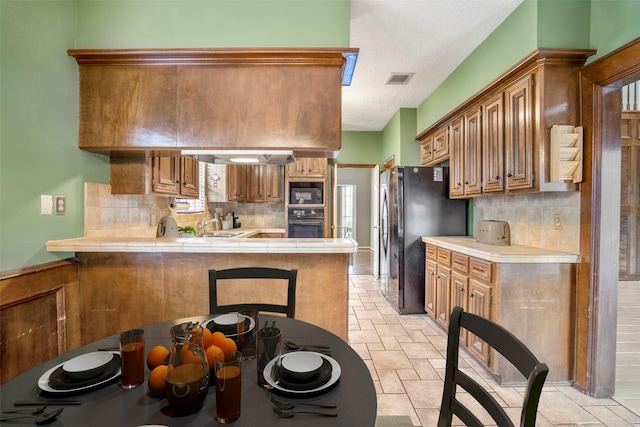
[[597, 278]]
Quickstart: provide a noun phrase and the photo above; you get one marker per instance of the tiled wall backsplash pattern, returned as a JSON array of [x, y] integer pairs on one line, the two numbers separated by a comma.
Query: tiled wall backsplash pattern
[[107, 215], [532, 218]]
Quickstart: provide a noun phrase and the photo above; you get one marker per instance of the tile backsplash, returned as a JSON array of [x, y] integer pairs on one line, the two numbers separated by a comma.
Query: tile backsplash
[[108, 215], [544, 220]]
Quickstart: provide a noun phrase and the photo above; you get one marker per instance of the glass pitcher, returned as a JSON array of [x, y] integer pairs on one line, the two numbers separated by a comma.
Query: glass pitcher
[[188, 374]]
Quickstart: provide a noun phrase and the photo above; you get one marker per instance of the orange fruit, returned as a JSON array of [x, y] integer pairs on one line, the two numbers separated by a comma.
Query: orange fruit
[[217, 337], [156, 380], [207, 338], [211, 355], [188, 356], [228, 344], [157, 356]]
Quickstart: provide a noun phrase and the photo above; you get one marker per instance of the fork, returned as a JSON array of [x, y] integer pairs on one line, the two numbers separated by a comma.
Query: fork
[[288, 414], [295, 346], [290, 405]]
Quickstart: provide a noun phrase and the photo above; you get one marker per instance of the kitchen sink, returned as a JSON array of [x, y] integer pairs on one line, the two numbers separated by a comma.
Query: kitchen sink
[[223, 234]]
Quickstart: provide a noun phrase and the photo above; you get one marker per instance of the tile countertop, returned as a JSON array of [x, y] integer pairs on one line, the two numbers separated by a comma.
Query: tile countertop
[[502, 254], [242, 243]]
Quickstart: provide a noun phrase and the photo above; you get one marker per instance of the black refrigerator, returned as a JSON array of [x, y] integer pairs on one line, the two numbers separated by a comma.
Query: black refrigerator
[[414, 203]]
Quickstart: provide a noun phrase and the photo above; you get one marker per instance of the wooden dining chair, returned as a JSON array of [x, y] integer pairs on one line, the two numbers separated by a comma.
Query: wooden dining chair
[[512, 349], [273, 274]]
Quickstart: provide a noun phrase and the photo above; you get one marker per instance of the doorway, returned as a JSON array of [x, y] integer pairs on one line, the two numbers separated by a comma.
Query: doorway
[[355, 212], [597, 285]]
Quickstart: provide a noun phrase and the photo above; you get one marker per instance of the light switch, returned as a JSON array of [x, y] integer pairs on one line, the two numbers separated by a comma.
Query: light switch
[[46, 204]]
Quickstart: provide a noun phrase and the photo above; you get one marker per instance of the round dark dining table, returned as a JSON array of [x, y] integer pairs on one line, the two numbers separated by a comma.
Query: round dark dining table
[[110, 405]]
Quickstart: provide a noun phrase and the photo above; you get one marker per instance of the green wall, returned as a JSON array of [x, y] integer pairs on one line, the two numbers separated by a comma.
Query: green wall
[[38, 136], [39, 84], [534, 24], [360, 148], [398, 138], [613, 24]]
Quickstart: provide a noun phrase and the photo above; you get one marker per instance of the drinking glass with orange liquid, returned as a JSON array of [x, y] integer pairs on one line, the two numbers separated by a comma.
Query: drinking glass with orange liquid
[[187, 381], [132, 358], [228, 380]]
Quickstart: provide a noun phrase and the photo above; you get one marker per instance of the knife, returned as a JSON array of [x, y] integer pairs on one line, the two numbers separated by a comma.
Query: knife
[[46, 402]]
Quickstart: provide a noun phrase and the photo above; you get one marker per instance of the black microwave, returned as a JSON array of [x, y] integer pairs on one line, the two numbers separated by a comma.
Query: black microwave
[[305, 196]]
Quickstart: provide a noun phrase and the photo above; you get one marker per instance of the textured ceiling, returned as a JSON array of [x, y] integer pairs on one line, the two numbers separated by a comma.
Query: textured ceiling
[[429, 38]]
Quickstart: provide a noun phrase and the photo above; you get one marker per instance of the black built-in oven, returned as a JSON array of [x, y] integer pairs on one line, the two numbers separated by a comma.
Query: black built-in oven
[[306, 222]]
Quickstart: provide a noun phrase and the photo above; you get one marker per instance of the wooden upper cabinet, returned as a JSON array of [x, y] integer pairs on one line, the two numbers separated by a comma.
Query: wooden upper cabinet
[[435, 148], [441, 145], [165, 175], [493, 145], [472, 156], [274, 184], [175, 176], [189, 177], [519, 143], [127, 107], [426, 151], [507, 141], [309, 168], [236, 183], [170, 99], [456, 160], [255, 183]]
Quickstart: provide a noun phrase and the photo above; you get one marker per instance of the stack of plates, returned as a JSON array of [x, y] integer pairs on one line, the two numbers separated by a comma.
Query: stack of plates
[[297, 380], [227, 324], [82, 373]]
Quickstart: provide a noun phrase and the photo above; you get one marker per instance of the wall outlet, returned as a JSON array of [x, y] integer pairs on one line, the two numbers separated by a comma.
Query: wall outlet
[[46, 204], [557, 221], [61, 205]]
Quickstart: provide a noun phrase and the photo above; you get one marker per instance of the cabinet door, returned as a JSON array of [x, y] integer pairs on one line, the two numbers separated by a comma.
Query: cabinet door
[[274, 183], [519, 115], [443, 295], [236, 183], [255, 178], [479, 303], [472, 155], [492, 146], [316, 168], [456, 165], [430, 287], [297, 169], [189, 177], [426, 152], [441, 144], [459, 293], [165, 175]]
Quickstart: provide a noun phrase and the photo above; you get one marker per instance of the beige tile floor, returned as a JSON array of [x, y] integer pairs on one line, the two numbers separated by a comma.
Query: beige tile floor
[[405, 354]]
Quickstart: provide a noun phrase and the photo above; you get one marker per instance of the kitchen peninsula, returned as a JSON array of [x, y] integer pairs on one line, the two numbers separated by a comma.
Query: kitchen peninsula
[[128, 282]]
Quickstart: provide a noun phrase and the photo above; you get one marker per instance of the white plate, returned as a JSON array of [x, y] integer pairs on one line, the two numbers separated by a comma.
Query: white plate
[[226, 319], [252, 324], [87, 365], [43, 381], [335, 376]]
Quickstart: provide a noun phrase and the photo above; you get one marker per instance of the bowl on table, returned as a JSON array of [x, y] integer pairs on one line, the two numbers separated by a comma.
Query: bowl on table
[[301, 365], [87, 365]]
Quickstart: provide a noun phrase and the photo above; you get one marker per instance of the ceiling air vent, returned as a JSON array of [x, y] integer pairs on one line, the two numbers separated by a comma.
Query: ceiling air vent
[[398, 78]]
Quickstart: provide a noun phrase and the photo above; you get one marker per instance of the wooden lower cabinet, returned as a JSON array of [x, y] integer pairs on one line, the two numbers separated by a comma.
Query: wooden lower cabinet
[[528, 299]]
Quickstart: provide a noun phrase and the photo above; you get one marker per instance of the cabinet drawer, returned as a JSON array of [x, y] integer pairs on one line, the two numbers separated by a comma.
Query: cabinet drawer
[[431, 252], [444, 256], [481, 269], [460, 262]]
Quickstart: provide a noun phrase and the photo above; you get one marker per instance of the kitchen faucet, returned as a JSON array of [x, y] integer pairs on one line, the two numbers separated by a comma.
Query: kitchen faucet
[[203, 227]]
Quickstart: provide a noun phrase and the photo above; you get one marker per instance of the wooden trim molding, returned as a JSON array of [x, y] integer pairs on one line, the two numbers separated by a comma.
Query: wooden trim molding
[[597, 282]]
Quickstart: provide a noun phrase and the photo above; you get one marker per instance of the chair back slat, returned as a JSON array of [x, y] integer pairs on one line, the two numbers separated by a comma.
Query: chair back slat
[[253, 273], [513, 350]]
